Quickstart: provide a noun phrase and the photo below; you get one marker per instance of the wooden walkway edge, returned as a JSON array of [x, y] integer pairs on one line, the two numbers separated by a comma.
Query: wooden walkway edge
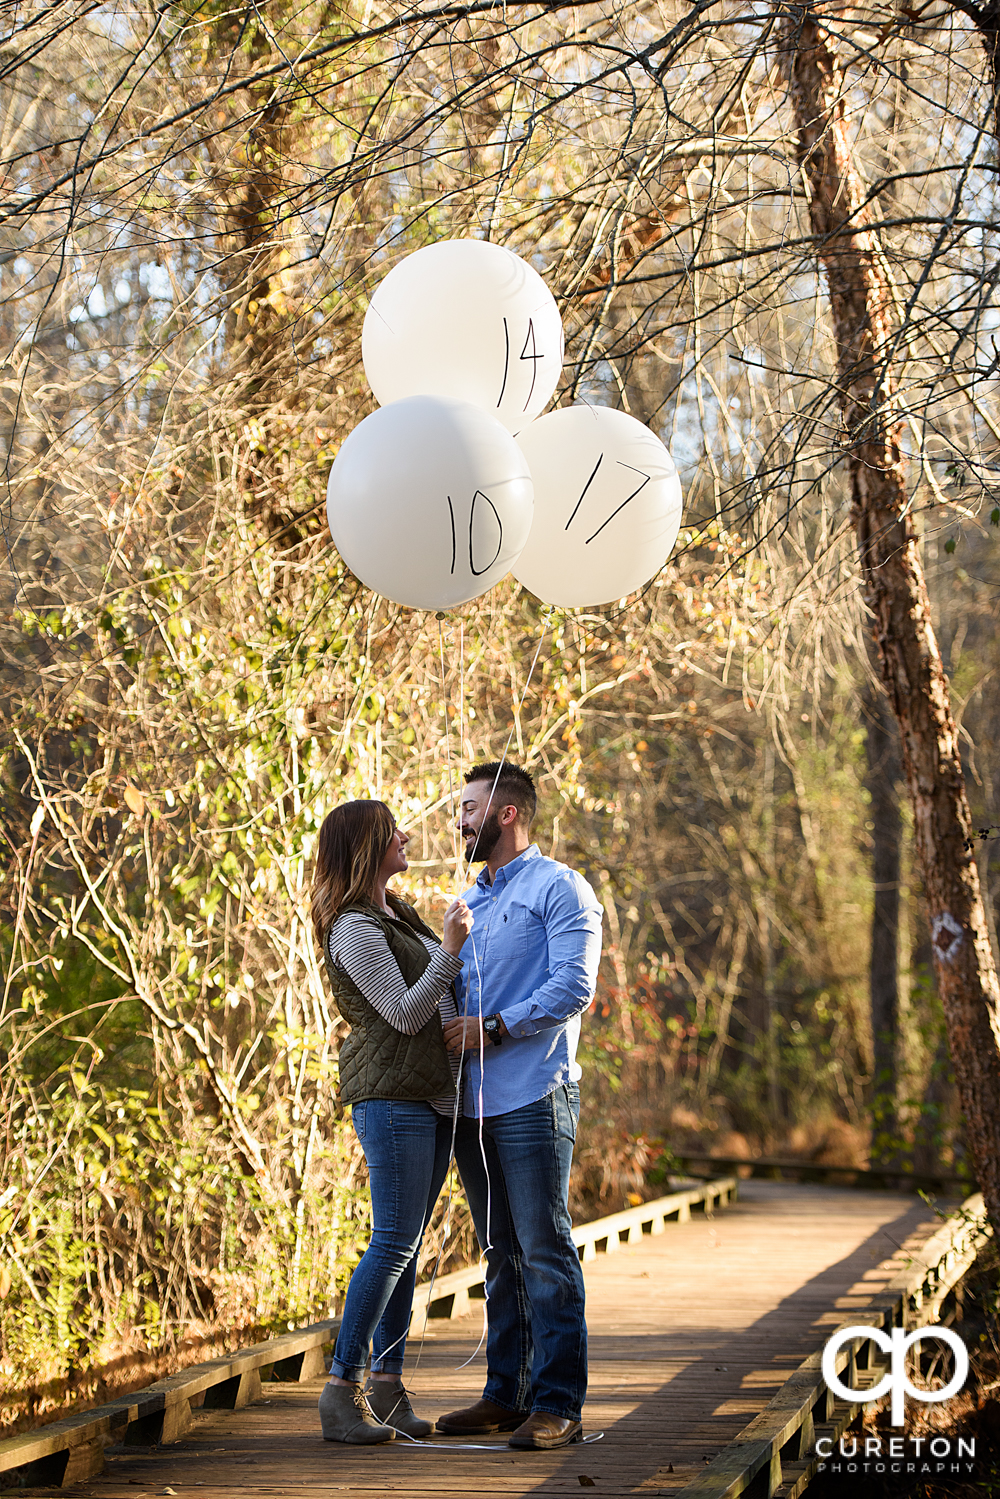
[[704, 1346], [775, 1455], [65, 1452]]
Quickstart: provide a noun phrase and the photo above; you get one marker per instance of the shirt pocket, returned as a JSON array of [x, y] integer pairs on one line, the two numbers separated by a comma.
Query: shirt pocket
[[519, 932]]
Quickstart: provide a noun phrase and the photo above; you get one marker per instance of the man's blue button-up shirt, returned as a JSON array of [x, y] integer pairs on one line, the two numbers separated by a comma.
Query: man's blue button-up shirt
[[531, 957]]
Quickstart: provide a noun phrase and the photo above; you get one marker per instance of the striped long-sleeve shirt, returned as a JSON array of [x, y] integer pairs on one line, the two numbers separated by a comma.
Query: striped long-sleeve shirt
[[357, 946]]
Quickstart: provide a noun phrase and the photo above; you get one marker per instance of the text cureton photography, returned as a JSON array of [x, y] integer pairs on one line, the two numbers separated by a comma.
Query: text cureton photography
[[872, 1454], [926, 1456]]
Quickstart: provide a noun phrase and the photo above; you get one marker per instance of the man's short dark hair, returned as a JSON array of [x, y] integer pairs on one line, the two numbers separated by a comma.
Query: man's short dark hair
[[514, 787]]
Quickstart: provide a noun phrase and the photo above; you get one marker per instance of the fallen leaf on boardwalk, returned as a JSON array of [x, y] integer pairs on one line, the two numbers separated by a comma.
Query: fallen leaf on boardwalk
[[588, 1483]]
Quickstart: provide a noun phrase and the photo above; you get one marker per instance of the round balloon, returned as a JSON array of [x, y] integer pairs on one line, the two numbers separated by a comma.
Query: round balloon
[[429, 502], [607, 506], [469, 320]]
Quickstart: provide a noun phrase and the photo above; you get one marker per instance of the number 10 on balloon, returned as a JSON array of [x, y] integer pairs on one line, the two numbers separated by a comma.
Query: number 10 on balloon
[[485, 534], [430, 502]]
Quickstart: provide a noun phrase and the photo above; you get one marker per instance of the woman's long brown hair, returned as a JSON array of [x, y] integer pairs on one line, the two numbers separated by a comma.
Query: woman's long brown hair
[[352, 844]]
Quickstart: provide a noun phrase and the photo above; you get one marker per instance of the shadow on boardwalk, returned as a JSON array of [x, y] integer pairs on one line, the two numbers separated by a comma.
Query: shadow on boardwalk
[[726, 1373], [691, 1334]]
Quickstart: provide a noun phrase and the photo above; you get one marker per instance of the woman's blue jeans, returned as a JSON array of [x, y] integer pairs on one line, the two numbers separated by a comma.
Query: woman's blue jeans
[[407, 1147]]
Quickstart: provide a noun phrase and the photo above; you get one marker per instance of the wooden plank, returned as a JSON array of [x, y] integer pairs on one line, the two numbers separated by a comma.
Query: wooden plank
[[73, 1430]]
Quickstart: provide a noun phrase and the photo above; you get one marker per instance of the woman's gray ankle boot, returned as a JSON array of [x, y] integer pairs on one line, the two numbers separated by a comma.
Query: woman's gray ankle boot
[[345, 1417], [391, 1405]]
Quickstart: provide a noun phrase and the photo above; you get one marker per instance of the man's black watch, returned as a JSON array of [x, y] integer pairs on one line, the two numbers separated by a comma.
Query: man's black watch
[[491, 1028]]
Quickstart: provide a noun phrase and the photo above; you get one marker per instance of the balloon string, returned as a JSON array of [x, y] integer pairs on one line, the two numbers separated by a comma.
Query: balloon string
[[446, 1222], [504, 1447], [461, 721], [518, 704], [480, 1111], [447, 740], [503, 758]]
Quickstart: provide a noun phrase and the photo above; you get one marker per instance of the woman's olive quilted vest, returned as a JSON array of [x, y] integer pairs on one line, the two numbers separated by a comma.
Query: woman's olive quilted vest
[[377, 1061]]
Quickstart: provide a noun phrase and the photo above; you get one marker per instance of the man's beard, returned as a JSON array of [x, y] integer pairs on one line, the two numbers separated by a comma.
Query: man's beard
[[489, 837]]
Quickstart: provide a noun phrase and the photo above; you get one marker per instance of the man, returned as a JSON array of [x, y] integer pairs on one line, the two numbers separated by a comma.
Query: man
[[529, 971]]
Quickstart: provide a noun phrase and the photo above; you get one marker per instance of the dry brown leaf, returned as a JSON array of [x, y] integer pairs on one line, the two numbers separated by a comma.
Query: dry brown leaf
[[135, 801]]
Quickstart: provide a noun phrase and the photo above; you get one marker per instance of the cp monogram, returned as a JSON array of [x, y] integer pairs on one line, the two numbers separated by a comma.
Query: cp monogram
[[895, 1343]]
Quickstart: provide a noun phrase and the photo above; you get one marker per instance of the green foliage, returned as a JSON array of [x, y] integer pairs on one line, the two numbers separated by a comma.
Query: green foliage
[[144, 1233]]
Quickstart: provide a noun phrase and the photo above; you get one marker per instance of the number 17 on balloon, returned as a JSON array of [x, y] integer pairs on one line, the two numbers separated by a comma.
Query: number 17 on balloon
[[607, 506]]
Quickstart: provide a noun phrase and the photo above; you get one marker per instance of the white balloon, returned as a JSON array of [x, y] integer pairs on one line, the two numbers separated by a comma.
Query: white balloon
[[607, 506], [429, 502], [465, 319]]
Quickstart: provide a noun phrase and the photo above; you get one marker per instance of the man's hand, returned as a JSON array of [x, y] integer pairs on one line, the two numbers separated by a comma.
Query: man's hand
[[464, 1034]]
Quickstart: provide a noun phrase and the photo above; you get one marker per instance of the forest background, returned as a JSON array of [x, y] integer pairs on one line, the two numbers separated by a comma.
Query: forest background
[[198, 201]]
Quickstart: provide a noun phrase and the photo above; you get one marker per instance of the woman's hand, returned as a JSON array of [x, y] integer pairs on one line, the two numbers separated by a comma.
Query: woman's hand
[[465, 1034], [461, 1034], [458, 921]]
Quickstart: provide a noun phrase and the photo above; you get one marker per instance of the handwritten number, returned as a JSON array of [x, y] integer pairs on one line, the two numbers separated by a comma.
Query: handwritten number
[[645, 480], [506, 358], [451, 512], [525, 356], [533, 356], [589, 482], [478, 571]]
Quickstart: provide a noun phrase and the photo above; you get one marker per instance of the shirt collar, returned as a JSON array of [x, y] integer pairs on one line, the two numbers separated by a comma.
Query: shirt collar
[[508, 871]]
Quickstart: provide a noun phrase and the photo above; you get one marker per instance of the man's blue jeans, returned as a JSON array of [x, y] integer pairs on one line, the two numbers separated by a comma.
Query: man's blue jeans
[[536, 1350], [406, 1145]]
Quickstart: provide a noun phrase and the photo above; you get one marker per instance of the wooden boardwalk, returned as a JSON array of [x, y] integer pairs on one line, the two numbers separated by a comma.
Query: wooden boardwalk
[[691, 1334]]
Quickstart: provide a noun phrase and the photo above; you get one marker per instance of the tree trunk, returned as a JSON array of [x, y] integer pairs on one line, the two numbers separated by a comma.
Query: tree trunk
[[895, 591], [882, 779], [938, 1109], [987, 19]]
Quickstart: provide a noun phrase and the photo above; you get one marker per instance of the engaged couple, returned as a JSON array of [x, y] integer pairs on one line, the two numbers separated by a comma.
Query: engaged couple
[[486, 1017]]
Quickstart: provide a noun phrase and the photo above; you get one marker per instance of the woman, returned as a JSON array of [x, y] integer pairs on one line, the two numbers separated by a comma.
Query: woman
[[392, 981]]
